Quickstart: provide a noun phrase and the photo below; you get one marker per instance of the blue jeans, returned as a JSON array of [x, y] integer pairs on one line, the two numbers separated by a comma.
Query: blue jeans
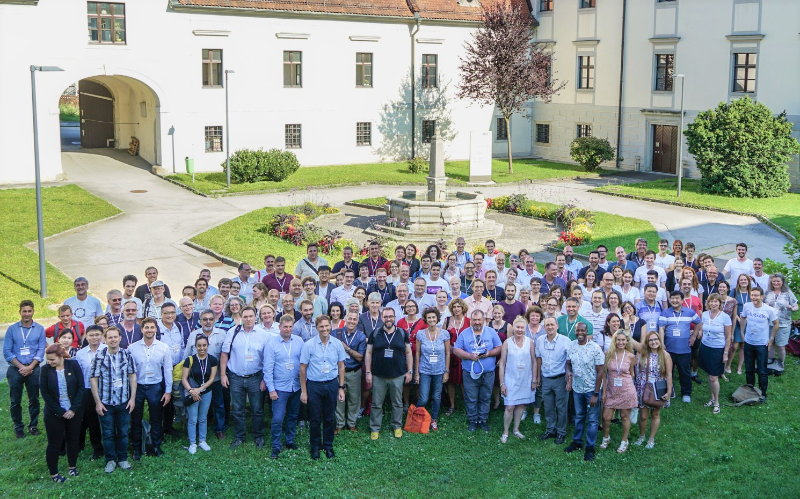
[[218, 404], [243, 389], [201, 409], [114, 426], [430, 383], [152, 395], [586, 417], [322, 396], [478, 396], [288, 404]]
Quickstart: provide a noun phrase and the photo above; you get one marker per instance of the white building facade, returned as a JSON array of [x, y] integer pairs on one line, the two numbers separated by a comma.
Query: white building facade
[[726, 49], [327, 80]]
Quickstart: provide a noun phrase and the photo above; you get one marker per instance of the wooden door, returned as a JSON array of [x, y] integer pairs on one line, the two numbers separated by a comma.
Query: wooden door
[[665, 148], [97, 114]]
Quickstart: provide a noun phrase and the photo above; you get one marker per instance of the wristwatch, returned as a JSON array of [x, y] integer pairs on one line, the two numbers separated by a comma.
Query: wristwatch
[[596, 394], [341, 387], [410, 372], [447, 370]]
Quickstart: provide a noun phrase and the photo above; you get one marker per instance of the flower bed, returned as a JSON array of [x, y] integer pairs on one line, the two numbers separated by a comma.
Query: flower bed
[[577, 222], [296, 227]]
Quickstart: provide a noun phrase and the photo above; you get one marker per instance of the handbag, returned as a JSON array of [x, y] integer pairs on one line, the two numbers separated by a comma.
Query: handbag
[[418, 420], [186, 398], [650, 396]]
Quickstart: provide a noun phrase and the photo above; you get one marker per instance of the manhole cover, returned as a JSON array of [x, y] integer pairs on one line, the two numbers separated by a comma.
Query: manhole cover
[[138, 191]]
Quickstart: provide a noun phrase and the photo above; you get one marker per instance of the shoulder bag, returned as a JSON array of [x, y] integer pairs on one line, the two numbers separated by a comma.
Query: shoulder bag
[[650, 394]]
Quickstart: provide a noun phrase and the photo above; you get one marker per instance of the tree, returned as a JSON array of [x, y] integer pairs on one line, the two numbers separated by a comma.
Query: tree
[[742, 149], [504, 67], [589, 152]]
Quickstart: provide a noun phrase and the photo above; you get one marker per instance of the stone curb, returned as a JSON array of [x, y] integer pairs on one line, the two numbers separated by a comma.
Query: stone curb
[[760, 218], [365, 206], [224, 259], [185, 186]]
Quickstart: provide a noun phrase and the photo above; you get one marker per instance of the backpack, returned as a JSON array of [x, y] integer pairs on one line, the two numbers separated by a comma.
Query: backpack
[[774, 370], [793, 347], [746, 394], [418, 420], [148, 449]]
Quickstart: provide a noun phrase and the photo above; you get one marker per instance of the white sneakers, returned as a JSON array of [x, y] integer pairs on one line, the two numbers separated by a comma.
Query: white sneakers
[[192, 449], [687, 399], [537, 419], [124, 465], [204, 446], [111, 466]]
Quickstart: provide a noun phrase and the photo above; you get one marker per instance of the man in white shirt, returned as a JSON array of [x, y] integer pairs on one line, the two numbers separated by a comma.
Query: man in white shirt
[[602, 250], [206, 274], [153, 360], [309, 266], [345, 291], [128, 288], [171, 335], [529, 272], [570, 263], [84, 307], [462, 256], [640, 277], [269, 267], [739, 265], [597, 317], [490, 260], [664, 259], [759, 278], [760, 324], [399, 304], [245, 281], [420, 297]]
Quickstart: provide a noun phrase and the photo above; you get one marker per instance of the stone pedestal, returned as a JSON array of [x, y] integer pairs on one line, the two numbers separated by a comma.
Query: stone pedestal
[[437, 189]]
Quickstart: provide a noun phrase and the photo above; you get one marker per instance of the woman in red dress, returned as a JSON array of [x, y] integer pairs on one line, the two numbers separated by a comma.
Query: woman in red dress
[[413, 324], [455, 324]]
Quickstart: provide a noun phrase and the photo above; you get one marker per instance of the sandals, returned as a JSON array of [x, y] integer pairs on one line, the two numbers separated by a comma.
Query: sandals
[[716, 410], [724, 378], [650, 443], [519, 435], [73, 472], [450, 411], [58, 478], [623, 446], [639, 442], [605, 442], [710, 403], [504, 438]]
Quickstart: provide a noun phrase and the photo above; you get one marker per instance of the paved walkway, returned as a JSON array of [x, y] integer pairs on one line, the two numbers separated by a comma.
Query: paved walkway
[[157, 222]]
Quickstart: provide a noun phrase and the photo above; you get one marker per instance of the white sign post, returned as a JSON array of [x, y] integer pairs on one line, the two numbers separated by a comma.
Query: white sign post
[[480, 157]]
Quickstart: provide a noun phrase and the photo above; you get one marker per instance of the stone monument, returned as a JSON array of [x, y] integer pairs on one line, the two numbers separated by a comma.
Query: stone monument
[[435, 213], [480, 158]]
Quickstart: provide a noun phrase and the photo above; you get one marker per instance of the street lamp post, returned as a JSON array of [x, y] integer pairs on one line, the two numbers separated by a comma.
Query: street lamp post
[[171, 133], [680, 136], [39, 221], [227, 131]]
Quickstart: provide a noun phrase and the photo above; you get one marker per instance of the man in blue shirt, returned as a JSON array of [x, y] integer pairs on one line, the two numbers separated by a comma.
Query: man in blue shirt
[[23, 349], [355, 345], [477, 348], [304, 327], [322, 384], [282, 377], [674, 328], [551, 360]]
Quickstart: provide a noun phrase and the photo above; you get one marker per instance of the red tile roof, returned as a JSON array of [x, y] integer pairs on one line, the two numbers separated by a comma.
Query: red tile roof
[[428, 9]]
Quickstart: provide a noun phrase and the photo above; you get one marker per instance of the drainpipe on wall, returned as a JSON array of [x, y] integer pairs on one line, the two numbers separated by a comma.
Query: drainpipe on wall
[[414, 32], [621, 83]]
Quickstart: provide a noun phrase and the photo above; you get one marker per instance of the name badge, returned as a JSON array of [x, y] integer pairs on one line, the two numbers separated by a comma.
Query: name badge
[[325, 368], [676, 332], [651, 325], [388, 353], [434, 359], [24, 351], [175, 349], [290, 366], [248, 357], [617, 381], [117, 383]]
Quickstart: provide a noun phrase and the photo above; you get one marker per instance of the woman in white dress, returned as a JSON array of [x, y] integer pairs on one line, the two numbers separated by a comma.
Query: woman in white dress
[[516, 366]]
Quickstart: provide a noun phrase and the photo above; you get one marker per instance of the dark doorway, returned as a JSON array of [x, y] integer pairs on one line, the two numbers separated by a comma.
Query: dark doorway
[[97, 115], [665, 148]]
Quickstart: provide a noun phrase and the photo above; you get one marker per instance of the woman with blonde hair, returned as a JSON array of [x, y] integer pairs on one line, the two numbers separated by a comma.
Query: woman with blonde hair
[[515, 371], [619, 393], [259, 296], [655, 364]]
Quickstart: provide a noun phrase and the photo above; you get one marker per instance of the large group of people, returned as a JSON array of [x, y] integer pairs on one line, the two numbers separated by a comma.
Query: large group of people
[[326, 346]]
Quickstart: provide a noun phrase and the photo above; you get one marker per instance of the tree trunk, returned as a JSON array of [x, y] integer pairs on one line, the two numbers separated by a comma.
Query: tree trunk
[[508, 142]]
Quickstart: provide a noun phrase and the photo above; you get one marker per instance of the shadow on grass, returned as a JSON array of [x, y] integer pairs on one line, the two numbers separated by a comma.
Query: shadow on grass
[[19, 283]]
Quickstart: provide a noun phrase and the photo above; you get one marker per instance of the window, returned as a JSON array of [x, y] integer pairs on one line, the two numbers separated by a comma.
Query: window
[[364, 133], [429, 70], [212, 68], [106, 22], [292, 64], [586, 72], [294, 137], [428, 128], [587, 4], [744, 73], [543, 134], [584, 130], [665, 68], [502, 130], [213, 139], [363, 69], [545, 5]]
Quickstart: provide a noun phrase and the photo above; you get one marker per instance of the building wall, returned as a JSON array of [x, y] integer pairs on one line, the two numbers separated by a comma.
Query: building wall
[[160, 65], [703, 35]]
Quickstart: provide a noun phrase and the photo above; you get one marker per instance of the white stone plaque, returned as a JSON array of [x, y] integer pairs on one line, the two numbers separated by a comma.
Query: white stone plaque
[[480, 156]]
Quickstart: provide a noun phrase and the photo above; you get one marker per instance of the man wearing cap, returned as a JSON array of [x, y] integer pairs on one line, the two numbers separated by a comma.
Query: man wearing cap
[[84, 307], [152, 306]]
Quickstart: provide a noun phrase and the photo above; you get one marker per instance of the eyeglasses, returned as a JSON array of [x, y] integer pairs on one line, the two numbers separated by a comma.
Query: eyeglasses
[[207, 319], [130, 310], [168, 313], [116, 299]]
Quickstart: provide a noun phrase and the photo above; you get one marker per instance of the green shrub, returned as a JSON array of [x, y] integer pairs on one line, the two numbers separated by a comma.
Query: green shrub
[[589, 152], [417, 165], [792, 271], [69, 112], [742, 149], [249, 166]]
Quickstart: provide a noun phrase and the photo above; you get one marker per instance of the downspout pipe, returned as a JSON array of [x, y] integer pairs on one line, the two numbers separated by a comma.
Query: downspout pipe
[[414, 32], [621, 83]]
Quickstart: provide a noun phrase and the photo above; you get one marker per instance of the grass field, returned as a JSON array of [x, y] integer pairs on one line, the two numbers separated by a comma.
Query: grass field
[[743, 452], [383, 173], [783, 211], [64, 208]]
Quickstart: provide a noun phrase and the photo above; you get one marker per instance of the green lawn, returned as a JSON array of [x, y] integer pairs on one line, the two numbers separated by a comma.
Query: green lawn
[[378, 201], [783, 211], [245, 239], [64, 207], [69, 112], [743, 452], [383, 173]]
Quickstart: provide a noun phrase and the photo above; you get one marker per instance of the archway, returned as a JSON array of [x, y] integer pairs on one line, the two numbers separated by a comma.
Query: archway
[[115, 109]]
